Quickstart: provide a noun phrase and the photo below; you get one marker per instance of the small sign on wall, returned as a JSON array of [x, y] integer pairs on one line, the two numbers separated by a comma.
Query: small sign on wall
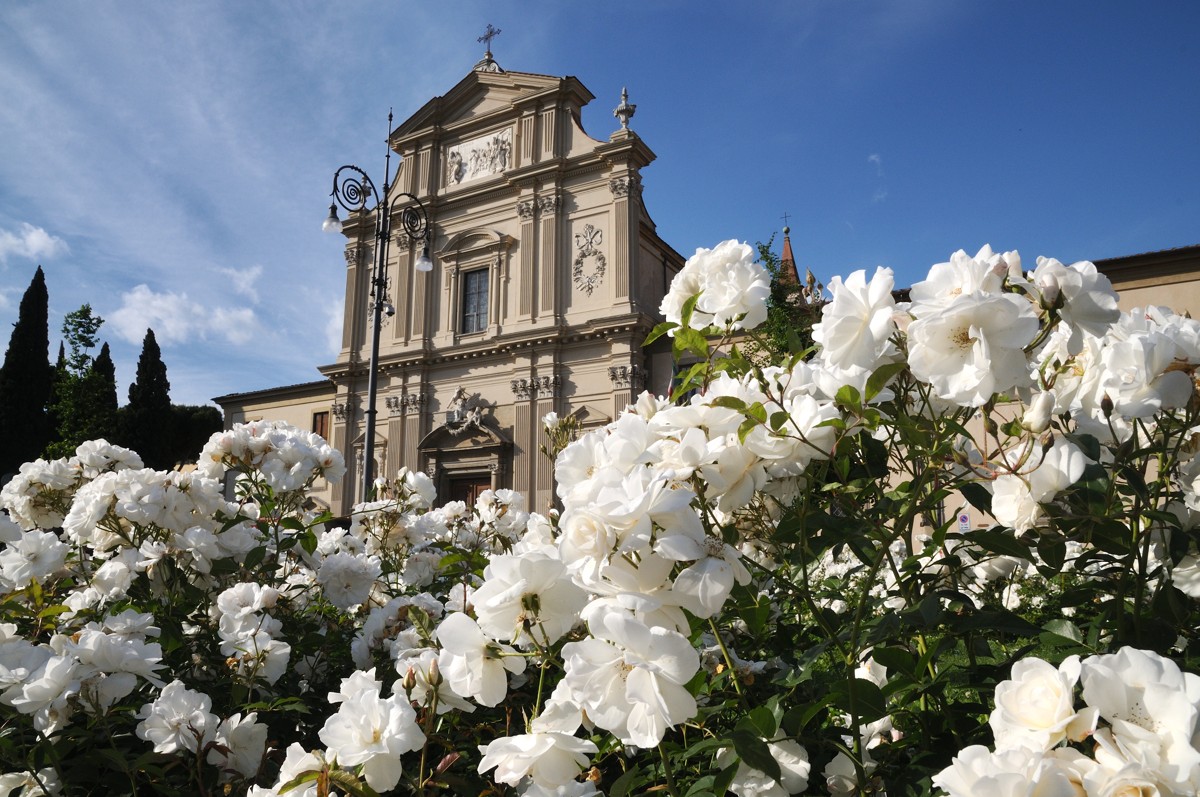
[[964, 521]]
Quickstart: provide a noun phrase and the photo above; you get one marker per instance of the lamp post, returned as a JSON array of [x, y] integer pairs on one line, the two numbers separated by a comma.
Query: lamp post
[[351, 189]]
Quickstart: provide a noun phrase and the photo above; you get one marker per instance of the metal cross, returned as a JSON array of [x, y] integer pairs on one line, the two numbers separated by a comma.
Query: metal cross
[[785, 218], [487, 37]]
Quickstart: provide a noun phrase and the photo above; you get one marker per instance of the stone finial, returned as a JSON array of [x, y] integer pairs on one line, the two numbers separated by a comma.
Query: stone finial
[[625, 110]]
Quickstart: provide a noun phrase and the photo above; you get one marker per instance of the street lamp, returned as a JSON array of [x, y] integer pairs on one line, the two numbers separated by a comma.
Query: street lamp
[[351, 189]]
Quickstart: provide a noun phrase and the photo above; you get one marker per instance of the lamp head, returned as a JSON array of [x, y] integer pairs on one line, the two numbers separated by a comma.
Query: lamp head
[[332, 222], [423, 262]]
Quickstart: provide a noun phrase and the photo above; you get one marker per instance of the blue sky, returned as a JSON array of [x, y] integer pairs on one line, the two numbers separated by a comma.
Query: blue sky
[[170, 162]]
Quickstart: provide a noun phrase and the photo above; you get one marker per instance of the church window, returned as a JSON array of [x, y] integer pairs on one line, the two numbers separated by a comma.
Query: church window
[[475, 300]]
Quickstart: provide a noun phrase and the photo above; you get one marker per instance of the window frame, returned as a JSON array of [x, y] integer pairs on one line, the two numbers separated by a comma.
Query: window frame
[[320, 423], [472, 318]]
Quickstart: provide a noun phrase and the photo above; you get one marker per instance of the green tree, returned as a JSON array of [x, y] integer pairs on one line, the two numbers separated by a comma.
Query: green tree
[[100, 397], [194, 424], [790, 314], [74, 403], [25, 380], [147, 422]]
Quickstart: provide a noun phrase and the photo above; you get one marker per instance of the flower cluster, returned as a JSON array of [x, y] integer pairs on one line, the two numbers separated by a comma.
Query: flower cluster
[[1139, 717], [752, 585]]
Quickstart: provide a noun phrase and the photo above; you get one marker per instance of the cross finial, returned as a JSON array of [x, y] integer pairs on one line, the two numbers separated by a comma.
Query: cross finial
[[487, 37], [785, 218]]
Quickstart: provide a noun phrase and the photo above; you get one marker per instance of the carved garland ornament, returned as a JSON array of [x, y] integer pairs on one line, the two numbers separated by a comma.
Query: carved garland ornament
[[587, 242]]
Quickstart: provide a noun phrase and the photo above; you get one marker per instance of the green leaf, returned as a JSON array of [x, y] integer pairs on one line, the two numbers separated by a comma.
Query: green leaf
[[51, 611], [724, 779], [878, 380], [299, 780], [659, 331], [747, 426], [896, 659], [728, 402], [689, 307], [308, 541], [759, 720], [623, 784], [354, 786], [848, 397], [999, 542], [1052, 548], [977, 496], [255, 557], [752, 749], [1065, 629], [690, 340], [866, 700]]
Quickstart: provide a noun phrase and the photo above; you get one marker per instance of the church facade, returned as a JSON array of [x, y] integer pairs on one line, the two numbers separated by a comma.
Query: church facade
[[548, 273]]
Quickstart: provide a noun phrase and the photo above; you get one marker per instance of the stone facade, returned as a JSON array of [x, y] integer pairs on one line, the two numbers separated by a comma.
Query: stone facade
[[548, 273]]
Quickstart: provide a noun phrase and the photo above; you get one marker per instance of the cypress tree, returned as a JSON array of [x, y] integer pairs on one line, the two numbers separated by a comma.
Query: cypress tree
[[25, 381], [100, 395], [147, 422]]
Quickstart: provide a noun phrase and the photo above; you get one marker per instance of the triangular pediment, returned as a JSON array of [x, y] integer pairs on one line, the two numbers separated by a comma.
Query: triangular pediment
[[486, 95]]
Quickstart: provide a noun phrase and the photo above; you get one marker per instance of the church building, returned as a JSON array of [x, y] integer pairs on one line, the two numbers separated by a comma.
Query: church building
[[547, 277]]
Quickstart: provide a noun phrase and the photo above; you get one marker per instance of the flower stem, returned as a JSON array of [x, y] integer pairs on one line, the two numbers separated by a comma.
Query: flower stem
[[670, 776], [737, 685]]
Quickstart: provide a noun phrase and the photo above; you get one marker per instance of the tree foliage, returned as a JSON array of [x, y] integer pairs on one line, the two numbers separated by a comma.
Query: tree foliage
[[25, 380], [193, 424], [790, 316], [147, 422], [83, 395]]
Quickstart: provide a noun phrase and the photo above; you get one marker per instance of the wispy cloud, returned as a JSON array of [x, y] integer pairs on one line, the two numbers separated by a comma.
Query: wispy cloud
[[177, 319], [879, 195], [30, 242], [876, 159], [333, 327], [242, 281]]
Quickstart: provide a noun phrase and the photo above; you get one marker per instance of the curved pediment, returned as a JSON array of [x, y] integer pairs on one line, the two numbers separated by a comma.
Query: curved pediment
[[473, 436], [475, 239]]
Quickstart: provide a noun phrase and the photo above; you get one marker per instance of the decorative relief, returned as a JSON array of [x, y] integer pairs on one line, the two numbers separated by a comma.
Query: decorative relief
[[413, 403], [356, 254], [625, 186], [627, 376], [340, 410], [522, 389], [525, 209], [546, 386], [587, 242], [549, 204], [463, 413], [404, 240], [479, 157]]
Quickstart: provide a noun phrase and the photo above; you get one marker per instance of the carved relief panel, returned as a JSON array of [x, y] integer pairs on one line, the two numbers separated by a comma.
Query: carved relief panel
[[478, 157]]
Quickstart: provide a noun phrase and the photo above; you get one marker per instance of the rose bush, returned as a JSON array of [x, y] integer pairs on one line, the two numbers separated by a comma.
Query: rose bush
[[755, 585]]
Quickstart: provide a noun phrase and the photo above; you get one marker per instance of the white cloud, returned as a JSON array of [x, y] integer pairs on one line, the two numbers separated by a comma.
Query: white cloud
[[177, 319], [335, 312], [243, 280], [876, 159], [880, 195], [30, 242]]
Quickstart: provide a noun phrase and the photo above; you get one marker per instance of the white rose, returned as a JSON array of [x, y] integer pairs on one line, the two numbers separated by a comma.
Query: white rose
[[1035, 706]]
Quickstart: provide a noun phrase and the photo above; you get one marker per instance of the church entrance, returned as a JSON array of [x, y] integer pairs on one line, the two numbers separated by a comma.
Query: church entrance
[[467, 488]]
